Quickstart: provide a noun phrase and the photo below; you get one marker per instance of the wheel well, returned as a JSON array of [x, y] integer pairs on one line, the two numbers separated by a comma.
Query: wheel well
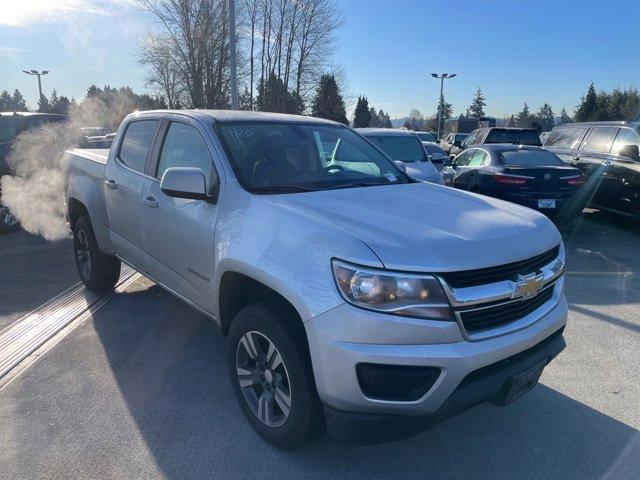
[[238, 291], [75, 210]]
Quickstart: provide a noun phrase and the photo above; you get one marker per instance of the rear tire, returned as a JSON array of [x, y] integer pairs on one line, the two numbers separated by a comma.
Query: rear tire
[[98, 271], [268, 354]]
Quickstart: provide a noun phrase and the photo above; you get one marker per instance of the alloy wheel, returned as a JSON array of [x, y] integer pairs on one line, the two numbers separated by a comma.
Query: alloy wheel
[[83, 255], [263, 377], [7, 217]]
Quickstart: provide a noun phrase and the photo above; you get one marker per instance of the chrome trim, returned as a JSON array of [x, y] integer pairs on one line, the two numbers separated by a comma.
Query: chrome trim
[[501, 293]]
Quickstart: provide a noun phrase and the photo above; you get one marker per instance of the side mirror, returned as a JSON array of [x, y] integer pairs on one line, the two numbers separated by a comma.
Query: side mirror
[[400, 165], [184, 182], [631, 151]]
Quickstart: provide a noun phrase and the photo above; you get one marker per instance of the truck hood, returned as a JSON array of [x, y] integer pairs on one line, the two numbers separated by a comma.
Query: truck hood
[[428, 228]]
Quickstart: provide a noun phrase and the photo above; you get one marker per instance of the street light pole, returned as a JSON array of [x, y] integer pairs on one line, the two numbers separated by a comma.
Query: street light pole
[[441, 77], [39, 74], [232, 55]]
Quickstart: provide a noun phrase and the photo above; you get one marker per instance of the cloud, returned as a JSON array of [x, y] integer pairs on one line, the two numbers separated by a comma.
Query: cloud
[[26, 13], [11, 52]]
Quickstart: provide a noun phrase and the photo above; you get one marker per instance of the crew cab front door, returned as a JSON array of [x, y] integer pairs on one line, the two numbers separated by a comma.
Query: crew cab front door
[[179, 233]]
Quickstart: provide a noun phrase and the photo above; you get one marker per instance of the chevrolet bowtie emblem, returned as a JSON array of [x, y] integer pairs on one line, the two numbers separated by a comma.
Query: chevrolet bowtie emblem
[[527, 286]]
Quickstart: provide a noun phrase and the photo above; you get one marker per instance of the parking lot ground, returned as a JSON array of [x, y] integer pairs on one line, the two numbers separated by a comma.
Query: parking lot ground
[[32, 271], [141, 391]]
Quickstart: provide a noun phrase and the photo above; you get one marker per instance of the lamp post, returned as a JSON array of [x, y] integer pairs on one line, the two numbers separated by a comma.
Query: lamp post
[[441, 77], [39, 74]]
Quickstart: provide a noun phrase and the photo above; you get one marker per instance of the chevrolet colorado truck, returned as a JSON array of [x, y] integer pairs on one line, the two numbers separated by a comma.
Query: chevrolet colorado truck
[[355, 299]]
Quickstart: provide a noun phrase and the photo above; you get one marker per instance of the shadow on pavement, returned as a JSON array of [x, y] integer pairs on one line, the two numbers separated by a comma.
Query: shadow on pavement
[[170, 368]]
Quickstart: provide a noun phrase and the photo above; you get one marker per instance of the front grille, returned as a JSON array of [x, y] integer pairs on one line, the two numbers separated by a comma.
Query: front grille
[[491, 317], [510, 271]]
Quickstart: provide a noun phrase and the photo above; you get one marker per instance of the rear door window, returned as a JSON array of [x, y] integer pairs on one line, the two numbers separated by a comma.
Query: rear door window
[[599, 139], [565, 137], [135, 144]]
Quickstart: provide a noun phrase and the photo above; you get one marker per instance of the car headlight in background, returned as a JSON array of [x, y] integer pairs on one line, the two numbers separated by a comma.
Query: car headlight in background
[[394, 293]]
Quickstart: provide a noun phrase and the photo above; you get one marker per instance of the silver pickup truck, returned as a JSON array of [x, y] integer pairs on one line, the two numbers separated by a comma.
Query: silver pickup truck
[[356, 299]]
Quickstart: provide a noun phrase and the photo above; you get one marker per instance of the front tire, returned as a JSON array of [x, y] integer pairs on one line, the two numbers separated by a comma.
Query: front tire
[[98, 271], [272, 377]]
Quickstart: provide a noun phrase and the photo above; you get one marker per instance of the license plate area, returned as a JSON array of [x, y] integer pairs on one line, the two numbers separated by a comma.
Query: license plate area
[[520, 384], [546, 203]]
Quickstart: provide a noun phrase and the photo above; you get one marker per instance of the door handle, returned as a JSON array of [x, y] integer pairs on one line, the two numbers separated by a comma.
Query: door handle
[[576, 158], [150, 201], [112, 184]]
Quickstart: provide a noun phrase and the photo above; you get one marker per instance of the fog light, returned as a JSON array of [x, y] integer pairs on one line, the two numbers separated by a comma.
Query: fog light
[[395, 382]]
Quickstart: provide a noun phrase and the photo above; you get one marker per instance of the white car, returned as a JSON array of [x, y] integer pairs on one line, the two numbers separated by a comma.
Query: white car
[[404, 146], [355, 298]]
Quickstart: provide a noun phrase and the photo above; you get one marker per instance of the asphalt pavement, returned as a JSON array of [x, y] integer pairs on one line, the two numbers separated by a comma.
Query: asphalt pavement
[[141, 391]]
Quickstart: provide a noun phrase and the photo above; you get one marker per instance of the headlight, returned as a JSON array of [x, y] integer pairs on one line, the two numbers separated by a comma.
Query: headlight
[[394, 293]]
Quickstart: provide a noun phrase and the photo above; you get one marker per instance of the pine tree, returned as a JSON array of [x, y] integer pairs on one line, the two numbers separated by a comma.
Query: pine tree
[[524, 117], [5, 101], [362, 116], [476, 109], [512, 121], [18, 103], [375, 121], [43, 104], [385, 121], [564, 117], [545, 117], [244, 100], [328, 102], [273, 96], [586, 111], [446, 111]]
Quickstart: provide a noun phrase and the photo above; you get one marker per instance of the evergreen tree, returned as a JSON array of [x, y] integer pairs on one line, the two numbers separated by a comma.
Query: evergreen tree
[[362, 115], [545, 117], [375, 121], [5, 101], [446, 110], [245, 100], [328, 102], [18, 103], [59, 104], [524, 117], [43, 104], [512, 121], [586, 111], [273, 96], [564, 117], [476, 109], [385, 121]]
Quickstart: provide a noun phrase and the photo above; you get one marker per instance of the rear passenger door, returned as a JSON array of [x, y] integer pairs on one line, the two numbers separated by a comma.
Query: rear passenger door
[[125, 182], [594, 160], [624, 174], [565, 141], [179, 233]]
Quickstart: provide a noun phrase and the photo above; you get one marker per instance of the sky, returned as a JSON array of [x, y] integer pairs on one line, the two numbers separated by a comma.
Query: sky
[[515, 51]]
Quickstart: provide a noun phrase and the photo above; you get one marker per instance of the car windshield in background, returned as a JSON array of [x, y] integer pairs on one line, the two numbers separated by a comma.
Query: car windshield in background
[[520, 137], [298, 157], [406, 148], [8, 127], [530, 157], [425, 137], [459, 137], [435, 151]]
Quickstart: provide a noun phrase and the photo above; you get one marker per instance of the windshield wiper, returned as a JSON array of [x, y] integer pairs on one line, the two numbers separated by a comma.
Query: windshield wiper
[[280, 189], [359, 184]]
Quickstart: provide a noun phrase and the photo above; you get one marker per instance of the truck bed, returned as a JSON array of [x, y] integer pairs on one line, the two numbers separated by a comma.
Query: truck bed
[[98, 155]]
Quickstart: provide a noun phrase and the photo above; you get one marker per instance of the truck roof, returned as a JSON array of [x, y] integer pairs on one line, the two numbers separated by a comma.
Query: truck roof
[[244, 116], [387, 132]]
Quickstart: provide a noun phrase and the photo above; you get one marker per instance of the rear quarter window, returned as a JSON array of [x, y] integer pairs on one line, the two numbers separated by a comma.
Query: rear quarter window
[[135, 144]]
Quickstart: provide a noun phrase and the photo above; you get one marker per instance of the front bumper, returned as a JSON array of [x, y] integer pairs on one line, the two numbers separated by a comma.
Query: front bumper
[[346, 336]]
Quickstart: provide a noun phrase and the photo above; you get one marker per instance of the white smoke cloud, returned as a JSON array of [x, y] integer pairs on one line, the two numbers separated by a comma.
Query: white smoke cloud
[[34, 192]]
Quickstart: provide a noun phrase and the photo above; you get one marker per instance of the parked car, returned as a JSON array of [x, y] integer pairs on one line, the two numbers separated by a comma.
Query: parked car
[[426, 137], [608, 154], [435, 154], [527, 175], [354, 297], [404, 146], [453, 142], [516, 136], [13, 124]]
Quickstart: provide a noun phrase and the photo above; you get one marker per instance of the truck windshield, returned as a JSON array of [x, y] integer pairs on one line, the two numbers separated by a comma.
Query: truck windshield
[[8, 127], [296, 157], [406, 148]]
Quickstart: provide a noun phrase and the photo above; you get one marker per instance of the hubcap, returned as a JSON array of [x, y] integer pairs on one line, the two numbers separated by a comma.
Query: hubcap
[[7, 217], [83, 255], [263, 379]]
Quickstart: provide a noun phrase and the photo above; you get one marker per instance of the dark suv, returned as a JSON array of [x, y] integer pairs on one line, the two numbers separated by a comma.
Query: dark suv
[[11, 125], [608, 154], [516, 136]]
